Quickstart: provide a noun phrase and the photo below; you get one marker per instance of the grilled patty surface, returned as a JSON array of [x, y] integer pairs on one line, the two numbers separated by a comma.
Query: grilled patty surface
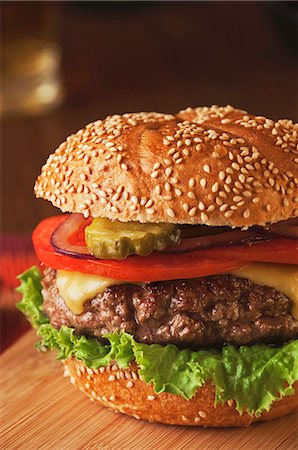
[[196, 313]]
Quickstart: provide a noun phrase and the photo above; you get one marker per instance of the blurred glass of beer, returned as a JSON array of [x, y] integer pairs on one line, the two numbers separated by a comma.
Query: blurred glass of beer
[[30, 58]]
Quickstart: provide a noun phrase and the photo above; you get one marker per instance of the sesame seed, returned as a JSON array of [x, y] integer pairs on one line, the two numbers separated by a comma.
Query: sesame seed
[[111, 378], [184, 418], [168, 171], [192, 211], [149, 203], [214, 187], [167, 187], [235, 166], [170, 138], [129, 384], [150, 210], [246, 213], [191, 182], [203, 182], [134, 375], [223, 207], [228, 214], [170, 212], [206, 168], [191, 195], [201, 206], [204, 217], [156, 166], [197, 419], [202, 414], [150, 397], [241, 178], [154, 174]]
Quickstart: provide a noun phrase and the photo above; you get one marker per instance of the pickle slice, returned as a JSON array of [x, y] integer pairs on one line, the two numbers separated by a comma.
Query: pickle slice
[[108, 239]]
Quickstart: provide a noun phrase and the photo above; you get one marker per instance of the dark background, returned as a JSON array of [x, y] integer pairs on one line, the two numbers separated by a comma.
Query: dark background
[[162, 56]]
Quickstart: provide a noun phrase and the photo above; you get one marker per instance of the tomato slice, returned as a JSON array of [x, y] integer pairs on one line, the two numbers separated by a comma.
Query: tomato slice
[[154, 267], [78, 237]]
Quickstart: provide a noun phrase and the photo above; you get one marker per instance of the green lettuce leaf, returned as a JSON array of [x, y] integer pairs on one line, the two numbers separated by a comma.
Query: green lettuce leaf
[[31, 303], [252, 376]]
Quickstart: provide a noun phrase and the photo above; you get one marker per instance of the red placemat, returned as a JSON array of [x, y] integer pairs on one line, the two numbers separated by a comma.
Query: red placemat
[[16, 255]]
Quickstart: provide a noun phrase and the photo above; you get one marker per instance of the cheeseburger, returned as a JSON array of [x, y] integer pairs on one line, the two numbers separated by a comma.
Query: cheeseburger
[[169, 288]]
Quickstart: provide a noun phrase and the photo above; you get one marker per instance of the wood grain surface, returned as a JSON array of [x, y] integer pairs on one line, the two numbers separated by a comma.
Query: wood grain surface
[[41, 410]]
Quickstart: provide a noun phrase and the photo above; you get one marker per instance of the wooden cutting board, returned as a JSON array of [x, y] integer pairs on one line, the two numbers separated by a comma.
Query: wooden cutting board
[[41, 410]]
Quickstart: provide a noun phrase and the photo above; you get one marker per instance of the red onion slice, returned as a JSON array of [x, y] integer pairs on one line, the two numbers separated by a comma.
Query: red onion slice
[[218, 240], [60, 238], [287, 228]]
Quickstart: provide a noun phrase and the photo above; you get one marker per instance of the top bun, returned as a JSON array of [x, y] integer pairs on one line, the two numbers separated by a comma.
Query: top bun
[[214, 166]]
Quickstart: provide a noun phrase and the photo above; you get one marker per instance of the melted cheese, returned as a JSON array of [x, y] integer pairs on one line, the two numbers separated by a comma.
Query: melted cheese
[[282, 277], [76, 288]]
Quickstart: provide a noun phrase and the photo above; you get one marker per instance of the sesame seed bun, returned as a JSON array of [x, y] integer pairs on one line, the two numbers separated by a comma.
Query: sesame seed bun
[[123, 391], [214, 166]]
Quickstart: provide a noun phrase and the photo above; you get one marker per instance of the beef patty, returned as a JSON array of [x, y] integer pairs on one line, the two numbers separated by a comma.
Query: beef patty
[[202, 312]]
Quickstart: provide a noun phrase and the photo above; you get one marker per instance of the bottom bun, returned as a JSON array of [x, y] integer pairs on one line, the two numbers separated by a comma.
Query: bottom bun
[[123, 391]]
